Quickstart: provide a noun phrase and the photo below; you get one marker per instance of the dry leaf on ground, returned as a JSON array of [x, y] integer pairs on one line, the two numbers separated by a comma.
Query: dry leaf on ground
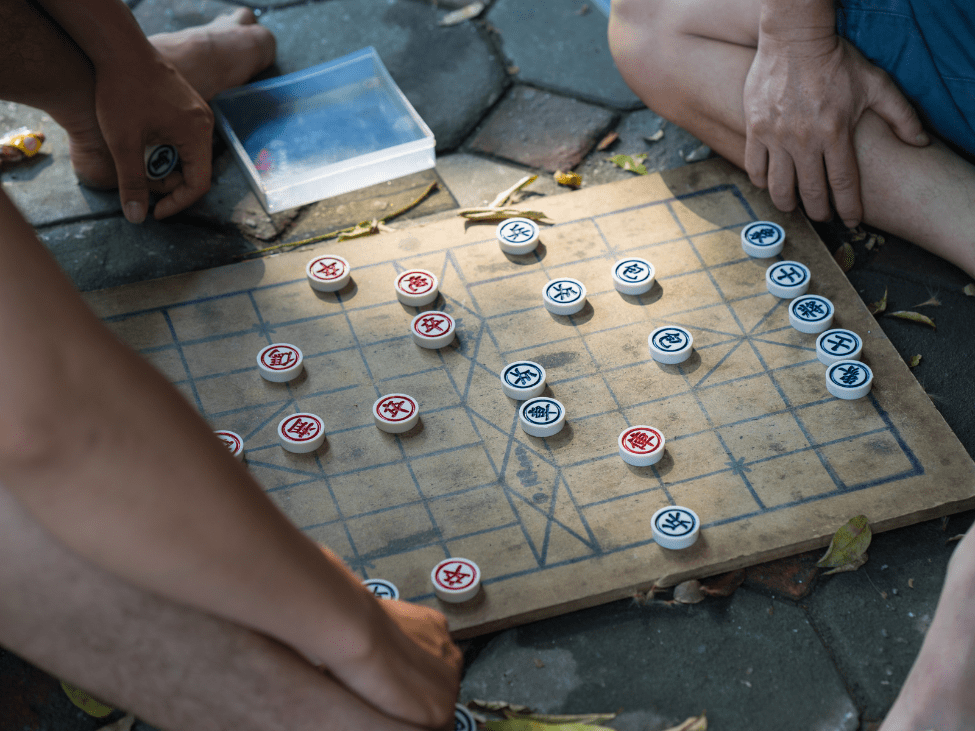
[[459, 16], [656, 136], [914, 317], [969, 289], [607, 141], [633, 165], [688, 592], [724, 585], [528, 724], [932, 301], [844, 256], [569, 179], [848, 549], [878, 307], [84, 700], [694, 723], [701, 152], [915, 359]]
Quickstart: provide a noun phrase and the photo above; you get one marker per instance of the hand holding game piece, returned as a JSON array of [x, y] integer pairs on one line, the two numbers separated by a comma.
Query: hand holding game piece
[[671, 344], [641, 446], [233, 441], [811, 314], [763, 239], [542, 417], [280, 362], [517, 236], [160, 161], [328, 273], [564, 296], [523, 380], [382, 589], [395, 413], [433, 329], [633, 276], [417, 287], [675, 527], [787, 279], [301, 433], [456, 580], [464, 719], [849, 379], [838, 344]]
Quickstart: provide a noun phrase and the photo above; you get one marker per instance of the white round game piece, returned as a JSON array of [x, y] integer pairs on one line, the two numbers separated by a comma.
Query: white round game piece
[[517, 236], [838, 344], [633, 275], [328, 273], [382, 588], [417, 287], [675, 527], [564, 296], [301, 433], [811, 314], [233, 442], [432, 329], [160, 161], [787, 279], [542, 417], [463, 719], [641, 446], [523, 380], [763, 239], [849, 379], [670, 344], [395, 413], [280, 362], [456, 580]]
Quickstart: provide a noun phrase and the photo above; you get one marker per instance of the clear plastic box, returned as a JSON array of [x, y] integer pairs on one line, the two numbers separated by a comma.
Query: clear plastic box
[[324, 131]]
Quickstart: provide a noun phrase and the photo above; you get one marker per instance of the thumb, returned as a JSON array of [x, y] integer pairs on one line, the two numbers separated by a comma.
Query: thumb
[[888, 102], [133, 186]]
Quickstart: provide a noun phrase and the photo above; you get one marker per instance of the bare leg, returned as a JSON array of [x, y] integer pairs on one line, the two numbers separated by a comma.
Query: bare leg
[[175, 667], [688, 61], [44, 68]]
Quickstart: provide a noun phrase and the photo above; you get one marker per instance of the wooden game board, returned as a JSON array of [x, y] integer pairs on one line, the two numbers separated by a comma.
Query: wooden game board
[[770, 461]]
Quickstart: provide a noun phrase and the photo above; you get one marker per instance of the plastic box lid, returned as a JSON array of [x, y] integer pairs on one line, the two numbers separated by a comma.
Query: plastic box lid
[[327, 130]]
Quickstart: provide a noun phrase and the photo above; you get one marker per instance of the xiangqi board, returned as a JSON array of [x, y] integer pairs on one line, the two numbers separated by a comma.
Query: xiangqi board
[[755, 445]]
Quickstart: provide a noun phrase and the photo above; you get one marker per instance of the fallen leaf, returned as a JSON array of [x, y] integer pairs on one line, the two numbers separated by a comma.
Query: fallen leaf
[[724, 585], [459, 16], [878, 307], [688, 592], [969, 289], [584, 718], [496, 215], [569, 179], [931, 302], [857, 234], [694, 723], [513, 70], [851, 566], [607, 141], [123, 724], [505, 196], [701, 152], [910, 583], [85, 701], [844, 256], [914, 317], [583, 10], [915, 359], [496, 706], [849, 545], [656, 136], [528, 724], [955, 538], [539, 664], [628, 163]]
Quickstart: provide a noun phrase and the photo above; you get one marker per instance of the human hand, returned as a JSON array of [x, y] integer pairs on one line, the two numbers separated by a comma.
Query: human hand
[[803, 100], [147, 105], [413, 671]]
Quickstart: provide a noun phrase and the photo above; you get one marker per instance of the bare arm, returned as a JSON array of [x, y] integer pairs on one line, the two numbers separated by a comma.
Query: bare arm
[[140, 100], [804, 94], [113, 462]]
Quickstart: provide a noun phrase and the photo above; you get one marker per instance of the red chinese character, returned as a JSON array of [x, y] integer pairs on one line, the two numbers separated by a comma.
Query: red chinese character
[[457, 576], [281, 358], [643, 441], [431, 324], [328, 271], [417, 282], [301, 429], [393, 408]]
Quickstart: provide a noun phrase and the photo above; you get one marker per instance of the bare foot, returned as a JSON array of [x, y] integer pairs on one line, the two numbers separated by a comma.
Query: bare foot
[[224, 53]]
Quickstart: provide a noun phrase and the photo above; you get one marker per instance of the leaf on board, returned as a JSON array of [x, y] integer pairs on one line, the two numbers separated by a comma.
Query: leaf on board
[[459, 16], [607, 141], [694, 723], [528, 724], [589, 719], [844, 256], [628, 163], [969, 289], [915, 359], [507, 196], [849, 544], [914, 317], [724, 585], [496, 706], [123, 724], [656, 136], [878, 307], [495, 215], [569, 179], [84, 701], [688, 592]]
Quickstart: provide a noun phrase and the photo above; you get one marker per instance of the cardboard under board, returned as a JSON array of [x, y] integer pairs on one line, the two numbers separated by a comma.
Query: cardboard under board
[[754, 443]]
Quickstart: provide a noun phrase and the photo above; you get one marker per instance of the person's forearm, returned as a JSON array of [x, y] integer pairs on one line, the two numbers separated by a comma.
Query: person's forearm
[[797, 21], [113, 462], [105, 30]]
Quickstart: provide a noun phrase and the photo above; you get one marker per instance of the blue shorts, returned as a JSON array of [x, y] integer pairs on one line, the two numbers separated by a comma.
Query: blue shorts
[[928, 47]]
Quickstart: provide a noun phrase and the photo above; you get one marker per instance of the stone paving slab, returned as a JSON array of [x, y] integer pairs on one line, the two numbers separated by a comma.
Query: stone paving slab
[[166, 16], [476, 181], [450, 75], [556, 45], [539, 129], [751, 661]]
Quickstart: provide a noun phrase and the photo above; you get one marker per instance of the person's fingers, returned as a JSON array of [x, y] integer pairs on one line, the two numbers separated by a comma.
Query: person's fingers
[[844, 182], [756, 162], [133, 188], [782, 180], [811, 179], [888, 101], [196, 170]]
